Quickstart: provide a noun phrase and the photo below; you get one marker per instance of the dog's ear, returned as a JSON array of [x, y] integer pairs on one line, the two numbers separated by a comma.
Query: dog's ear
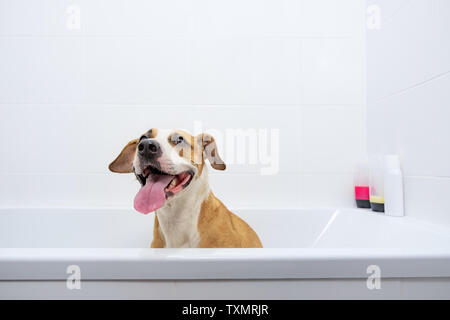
[[124, 161], [209, 148]]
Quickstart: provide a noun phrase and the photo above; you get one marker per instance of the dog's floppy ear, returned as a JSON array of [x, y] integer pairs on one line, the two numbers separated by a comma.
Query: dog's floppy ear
[[207, 143], [124, 161]]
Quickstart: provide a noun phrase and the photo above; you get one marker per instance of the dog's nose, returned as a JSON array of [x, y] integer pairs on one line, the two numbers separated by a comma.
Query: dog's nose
[[149, 148]]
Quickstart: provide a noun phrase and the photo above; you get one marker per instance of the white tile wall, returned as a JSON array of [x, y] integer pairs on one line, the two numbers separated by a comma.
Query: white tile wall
[[70, 99], [415, 125], [41, 70], [193, 18], [332, 138], [409, 98], [427, 198], [194, 71], [412, 42], [329, 75]]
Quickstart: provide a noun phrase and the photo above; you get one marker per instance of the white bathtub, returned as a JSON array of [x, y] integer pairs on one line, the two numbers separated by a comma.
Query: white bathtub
[[308, 254]]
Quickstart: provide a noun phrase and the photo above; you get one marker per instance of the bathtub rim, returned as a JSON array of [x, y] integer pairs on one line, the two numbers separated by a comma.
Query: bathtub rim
[[266, 263]]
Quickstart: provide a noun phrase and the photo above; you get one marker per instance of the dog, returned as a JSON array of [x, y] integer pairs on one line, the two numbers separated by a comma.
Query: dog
[[170, 166]]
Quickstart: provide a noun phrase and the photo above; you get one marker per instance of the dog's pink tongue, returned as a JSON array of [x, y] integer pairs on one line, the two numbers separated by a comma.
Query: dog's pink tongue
[[152, 195]]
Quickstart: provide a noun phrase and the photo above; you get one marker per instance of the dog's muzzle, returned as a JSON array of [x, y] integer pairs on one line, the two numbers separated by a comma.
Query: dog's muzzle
[[149, 149]]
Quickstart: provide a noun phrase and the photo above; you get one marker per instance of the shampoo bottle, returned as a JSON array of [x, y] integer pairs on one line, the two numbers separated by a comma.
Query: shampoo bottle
[[376, 184], [393, 186], [361, 184]]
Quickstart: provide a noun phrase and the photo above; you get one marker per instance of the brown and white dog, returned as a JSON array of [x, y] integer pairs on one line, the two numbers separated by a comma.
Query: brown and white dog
[[170, 166]]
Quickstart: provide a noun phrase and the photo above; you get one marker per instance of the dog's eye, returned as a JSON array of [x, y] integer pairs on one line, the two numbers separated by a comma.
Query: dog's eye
[[178, 140]]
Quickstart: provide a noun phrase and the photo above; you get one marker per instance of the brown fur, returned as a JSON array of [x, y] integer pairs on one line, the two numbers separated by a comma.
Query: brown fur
[[124, 161], [152, 133], [218, 228], [158, 241]]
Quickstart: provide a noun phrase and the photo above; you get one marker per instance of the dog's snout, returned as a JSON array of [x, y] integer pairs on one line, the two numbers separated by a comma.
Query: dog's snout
[[149, 148]]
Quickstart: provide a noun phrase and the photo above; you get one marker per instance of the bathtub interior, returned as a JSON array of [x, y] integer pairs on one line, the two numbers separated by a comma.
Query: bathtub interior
[[282, 228]]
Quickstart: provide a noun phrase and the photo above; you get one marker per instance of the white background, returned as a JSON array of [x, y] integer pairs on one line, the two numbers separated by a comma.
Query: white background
[[409, 99], [71, 99]]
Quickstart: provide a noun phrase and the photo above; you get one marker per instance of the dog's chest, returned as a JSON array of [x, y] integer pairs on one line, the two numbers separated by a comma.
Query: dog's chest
[[180, 232], [178, 223]]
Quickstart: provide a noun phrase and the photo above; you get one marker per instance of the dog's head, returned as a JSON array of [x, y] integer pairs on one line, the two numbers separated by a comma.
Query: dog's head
[[165, 163]]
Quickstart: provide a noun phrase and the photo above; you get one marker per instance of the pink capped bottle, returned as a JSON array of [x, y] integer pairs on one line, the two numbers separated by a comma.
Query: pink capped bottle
[[361, 184]]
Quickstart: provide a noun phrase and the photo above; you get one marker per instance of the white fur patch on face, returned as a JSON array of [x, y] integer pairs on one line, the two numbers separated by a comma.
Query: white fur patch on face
[[136, 164], [170, 160]]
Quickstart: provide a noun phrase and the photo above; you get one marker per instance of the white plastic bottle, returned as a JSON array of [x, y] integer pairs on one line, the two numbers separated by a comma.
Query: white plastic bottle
[[393, 187]]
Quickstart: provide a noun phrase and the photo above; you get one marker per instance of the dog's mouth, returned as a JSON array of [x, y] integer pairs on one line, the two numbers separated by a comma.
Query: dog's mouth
[[176, 184], [157, 187]]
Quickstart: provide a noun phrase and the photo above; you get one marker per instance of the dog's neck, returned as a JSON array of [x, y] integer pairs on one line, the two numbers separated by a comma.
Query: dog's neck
[[179, 216]]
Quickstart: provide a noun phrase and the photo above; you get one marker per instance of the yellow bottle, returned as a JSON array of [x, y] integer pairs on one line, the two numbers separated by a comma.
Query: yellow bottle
[[377, 203], [376, 183]]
